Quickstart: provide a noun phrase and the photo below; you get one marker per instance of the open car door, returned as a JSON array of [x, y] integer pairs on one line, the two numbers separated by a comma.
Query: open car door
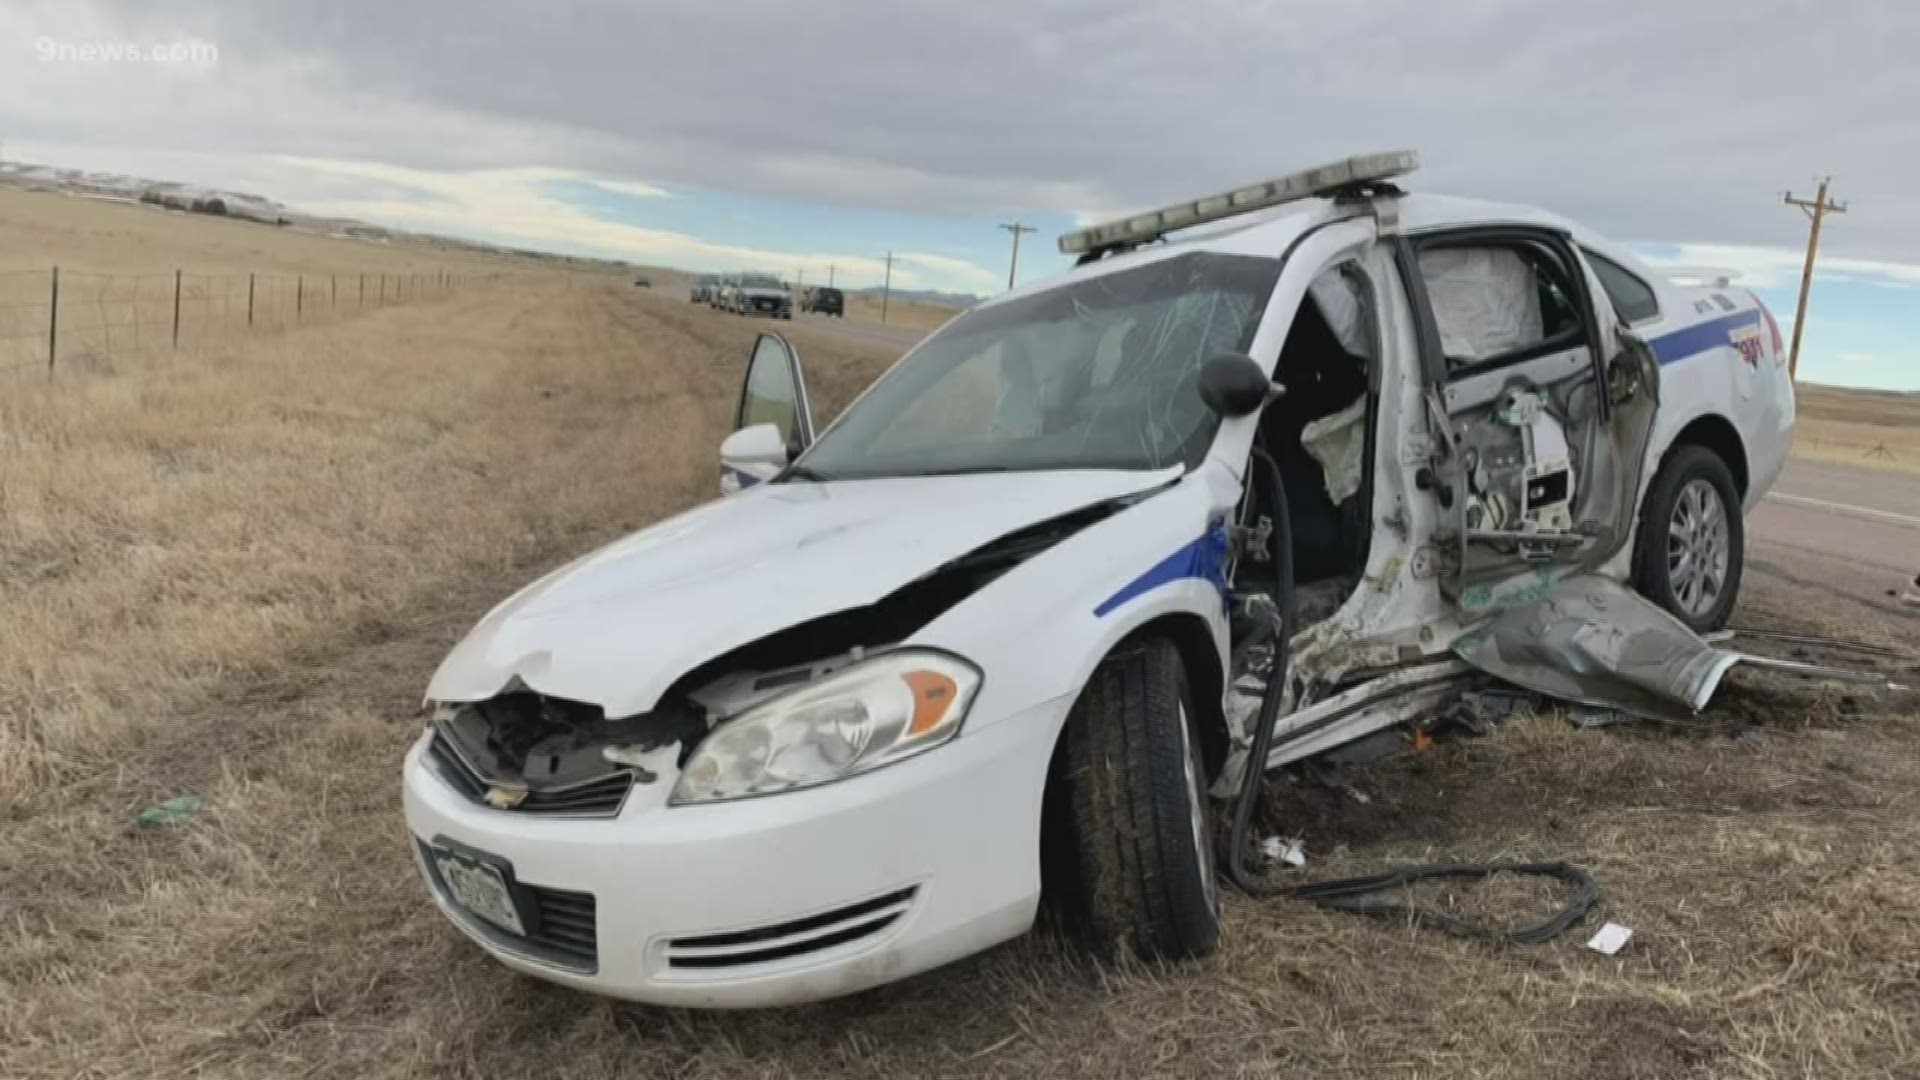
[[773, 421], [1546, 407]]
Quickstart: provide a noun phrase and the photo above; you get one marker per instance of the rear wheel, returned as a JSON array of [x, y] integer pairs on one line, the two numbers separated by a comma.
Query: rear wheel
[[1137, 871], [1691, 546]]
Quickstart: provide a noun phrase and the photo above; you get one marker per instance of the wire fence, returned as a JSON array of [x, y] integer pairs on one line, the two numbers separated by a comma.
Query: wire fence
[[53, 317]]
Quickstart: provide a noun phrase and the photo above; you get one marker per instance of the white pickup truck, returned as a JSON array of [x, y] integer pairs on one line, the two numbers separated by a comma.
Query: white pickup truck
[[997, 632]]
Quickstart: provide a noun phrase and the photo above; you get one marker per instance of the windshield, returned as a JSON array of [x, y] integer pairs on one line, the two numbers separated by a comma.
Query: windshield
[[760, 281], [1097, 374]]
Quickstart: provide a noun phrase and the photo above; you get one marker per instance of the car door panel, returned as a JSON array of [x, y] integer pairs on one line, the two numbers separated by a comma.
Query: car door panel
[[1536, 440], [773, 392]]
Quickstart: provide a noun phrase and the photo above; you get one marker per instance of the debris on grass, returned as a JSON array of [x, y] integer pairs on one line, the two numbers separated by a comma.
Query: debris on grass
[[1610, 939], [172, 812], [1275, 849]]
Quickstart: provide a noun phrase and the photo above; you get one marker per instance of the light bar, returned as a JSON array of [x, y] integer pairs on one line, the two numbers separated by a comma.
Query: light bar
[[1324, 180]]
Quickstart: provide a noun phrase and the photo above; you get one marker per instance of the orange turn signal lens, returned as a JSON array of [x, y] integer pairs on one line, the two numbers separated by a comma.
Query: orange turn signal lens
[[933, 697]]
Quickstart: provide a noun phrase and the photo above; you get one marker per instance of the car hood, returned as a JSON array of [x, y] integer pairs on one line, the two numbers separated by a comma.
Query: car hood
[[617, 627]]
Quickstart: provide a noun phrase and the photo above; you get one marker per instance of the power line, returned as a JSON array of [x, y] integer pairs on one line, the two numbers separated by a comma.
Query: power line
[[1817, 209], [1016, 228]]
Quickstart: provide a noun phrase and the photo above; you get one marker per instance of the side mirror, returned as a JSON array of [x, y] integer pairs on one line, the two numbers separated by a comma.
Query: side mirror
[[751, 455], [1233, 385]]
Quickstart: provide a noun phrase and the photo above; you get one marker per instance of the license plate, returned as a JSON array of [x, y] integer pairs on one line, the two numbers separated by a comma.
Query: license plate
[[480, 888]]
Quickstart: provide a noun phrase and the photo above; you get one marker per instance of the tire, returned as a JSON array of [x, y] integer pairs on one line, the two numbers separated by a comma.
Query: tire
[[1133, 854], [1692, 571]]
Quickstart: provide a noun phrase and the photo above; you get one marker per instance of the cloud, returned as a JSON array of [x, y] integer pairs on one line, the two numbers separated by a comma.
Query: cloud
[[1777, 267], [966, 276], [635, 188], [518, 207], [1640, 117], [1858, 358]]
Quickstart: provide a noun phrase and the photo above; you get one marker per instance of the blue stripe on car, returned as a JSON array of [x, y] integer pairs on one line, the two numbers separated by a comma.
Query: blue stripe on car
[[746, 479], [1697, 339], [1205, 558]]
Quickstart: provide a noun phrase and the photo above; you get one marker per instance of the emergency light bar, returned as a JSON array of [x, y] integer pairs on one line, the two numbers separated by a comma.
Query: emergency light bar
[[1325, 180]]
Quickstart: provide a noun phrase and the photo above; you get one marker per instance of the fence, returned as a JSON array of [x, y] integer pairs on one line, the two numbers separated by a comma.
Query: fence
[[51, 316]]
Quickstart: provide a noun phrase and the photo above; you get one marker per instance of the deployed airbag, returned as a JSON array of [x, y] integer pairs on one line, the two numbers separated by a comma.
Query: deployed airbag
[[1485, 300]]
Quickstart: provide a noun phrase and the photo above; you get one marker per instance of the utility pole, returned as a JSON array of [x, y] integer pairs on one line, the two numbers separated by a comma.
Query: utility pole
[[829, 275], [1016, 228], [1817, 209], [886, 289]]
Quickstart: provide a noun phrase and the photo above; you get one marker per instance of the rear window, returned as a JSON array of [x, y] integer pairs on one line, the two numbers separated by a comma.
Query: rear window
[[827, 294], [1632, 298]]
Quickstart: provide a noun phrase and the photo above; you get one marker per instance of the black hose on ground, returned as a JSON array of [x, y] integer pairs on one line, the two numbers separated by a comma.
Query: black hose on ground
[[1360, 895]]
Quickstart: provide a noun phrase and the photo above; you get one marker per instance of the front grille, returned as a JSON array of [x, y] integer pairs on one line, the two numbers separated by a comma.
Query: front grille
[[563, 922], [560, 924], [796, 937], [599, 797]]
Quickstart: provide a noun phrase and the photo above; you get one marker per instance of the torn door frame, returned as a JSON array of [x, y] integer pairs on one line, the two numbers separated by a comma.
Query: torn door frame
[[1594, 641]]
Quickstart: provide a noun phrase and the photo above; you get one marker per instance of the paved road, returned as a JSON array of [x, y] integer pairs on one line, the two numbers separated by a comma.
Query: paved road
[[1856, 530]]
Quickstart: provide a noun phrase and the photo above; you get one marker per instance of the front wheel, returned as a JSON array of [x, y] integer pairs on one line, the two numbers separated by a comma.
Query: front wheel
[[1136, 865], [1691, 546]]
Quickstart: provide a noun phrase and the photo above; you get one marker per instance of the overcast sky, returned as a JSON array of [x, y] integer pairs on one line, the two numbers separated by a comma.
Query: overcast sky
[[1677, 122]]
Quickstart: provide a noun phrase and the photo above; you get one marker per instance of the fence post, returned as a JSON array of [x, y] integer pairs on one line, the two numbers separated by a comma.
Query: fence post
[[249, 299], [383, 291], [333, 292], [363, 291], [53, 321], [176, 309], [299, 295]]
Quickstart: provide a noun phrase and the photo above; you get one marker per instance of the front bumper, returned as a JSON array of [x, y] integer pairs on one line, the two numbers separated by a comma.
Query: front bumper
[[779, 899]]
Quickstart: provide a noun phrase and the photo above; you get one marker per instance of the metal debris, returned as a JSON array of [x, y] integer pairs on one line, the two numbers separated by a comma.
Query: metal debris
[[1590, 640], [1478, 712]]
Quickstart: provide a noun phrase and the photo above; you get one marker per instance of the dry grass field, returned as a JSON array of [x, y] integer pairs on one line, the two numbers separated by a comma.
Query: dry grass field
[[230, 578], [904, 314], [1859, 427], [118, 260]]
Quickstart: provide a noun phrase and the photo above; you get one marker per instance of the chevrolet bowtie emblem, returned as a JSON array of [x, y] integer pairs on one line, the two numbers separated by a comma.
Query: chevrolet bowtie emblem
[[502, 798]]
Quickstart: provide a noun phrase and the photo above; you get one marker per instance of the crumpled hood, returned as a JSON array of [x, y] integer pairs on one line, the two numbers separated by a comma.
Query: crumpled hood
[[617, 627]]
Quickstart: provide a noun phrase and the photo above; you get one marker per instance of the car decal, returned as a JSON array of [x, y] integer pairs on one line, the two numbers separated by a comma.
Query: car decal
[[746, 479], [1205, 558], [1697, 339]]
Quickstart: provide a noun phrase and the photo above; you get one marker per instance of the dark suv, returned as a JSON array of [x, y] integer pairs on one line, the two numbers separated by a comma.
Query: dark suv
[[825, 300]]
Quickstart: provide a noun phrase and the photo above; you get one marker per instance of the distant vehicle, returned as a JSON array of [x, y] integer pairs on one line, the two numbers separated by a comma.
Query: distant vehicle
[[760, 294], [642, 282], [825, 300], [717, 292], [703, 288]]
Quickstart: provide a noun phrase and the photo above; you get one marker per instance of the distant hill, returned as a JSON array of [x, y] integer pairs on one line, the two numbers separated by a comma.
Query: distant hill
[[927, 296], [177, 196], [121, 186]]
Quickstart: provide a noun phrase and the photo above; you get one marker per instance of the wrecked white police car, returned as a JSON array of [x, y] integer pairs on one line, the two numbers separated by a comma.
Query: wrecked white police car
[[1000, 628]]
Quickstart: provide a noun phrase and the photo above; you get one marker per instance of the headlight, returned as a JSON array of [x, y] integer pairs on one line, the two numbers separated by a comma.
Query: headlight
[[861, 717]]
